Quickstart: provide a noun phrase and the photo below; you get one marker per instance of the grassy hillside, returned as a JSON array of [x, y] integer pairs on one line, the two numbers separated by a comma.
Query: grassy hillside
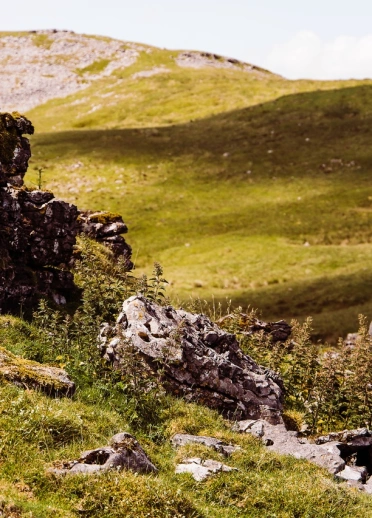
[[38, 432], [243, 185]]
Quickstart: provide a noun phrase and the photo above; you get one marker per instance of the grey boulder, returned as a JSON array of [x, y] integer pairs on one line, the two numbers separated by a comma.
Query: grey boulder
[[279, 439], [124, 452], [196, 359]]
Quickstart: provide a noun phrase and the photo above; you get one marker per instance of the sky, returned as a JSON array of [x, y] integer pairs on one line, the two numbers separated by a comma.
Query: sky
[[318, 39]]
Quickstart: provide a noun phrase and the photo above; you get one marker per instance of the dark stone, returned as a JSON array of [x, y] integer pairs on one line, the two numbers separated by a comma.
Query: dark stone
[[106, 228], [38, 232], [15, 150]]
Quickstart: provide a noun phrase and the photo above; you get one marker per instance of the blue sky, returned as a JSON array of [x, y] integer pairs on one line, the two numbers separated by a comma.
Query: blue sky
[[318, 39]]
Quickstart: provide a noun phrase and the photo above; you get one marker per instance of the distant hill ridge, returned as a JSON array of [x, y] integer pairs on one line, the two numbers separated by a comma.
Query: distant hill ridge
[[37, 66]]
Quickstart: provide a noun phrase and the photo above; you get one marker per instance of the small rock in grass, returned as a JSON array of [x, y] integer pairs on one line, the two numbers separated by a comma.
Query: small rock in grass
[[124, 452], [200, 470]]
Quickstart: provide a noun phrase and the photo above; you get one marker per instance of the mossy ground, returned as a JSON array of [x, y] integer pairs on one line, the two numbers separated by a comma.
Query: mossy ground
[[244, 186], [37, 431]]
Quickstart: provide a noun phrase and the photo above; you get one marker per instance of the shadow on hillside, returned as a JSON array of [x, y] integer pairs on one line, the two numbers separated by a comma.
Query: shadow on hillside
[[331, 120]]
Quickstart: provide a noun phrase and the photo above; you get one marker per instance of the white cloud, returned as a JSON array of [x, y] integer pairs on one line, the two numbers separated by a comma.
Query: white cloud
[[307, 56]]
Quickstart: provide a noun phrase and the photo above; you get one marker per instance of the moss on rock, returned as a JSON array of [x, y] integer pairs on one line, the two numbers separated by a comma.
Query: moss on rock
[[105, 217], [33, 375]]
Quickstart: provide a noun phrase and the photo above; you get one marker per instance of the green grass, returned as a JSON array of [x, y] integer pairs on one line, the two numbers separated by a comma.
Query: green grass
[[94, 68], [218, 230], [42, 40], [37, 431], [223, 176]]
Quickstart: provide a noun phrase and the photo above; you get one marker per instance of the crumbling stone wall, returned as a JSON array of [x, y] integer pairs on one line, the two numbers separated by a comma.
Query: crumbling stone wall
[[38, 231]]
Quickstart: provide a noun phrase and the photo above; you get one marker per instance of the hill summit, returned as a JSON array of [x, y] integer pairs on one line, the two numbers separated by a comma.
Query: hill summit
[[37, 66]]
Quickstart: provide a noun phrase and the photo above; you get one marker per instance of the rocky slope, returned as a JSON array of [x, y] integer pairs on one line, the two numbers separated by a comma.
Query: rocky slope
[[59, 63], [56, 64]]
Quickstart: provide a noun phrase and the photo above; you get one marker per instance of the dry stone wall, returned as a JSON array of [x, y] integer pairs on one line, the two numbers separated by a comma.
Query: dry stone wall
[[38, 232]]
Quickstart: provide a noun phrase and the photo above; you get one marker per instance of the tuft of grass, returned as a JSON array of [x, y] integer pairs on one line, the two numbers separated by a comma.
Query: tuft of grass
[[42, 40], [94, 68]]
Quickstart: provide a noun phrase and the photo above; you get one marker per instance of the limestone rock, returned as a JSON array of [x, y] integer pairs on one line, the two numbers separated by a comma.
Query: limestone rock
[[124, 452], [197, 359], [280, 440], [278, 331], [37, 235], [359, 437], [368, 486], [38, 231], [181, 439], [355, 473], [33, 375], [47, 64], [202, 469]]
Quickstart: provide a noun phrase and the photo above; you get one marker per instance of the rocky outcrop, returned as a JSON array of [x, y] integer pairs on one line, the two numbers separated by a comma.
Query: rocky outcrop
[[40, 65], [32, 375], [124, 452], [346, 454], [279, 439], [196, 358], [37, 235], [277, 331], [107, 228], [38, 232]]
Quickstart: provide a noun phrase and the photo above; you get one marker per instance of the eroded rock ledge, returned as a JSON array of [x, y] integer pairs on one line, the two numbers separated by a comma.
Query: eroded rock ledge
[[38, 231], [197, 359]]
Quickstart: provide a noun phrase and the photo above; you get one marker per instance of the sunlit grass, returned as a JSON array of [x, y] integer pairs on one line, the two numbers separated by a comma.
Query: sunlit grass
[[241, 187]]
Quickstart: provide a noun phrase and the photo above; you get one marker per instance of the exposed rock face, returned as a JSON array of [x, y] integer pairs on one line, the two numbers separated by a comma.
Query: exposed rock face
[[194, 59], [278, 438], [106, 228], [38, 231], [124, 452], [198, 359], [55, 63], [278, 331], [33, 375], [346, 454]]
